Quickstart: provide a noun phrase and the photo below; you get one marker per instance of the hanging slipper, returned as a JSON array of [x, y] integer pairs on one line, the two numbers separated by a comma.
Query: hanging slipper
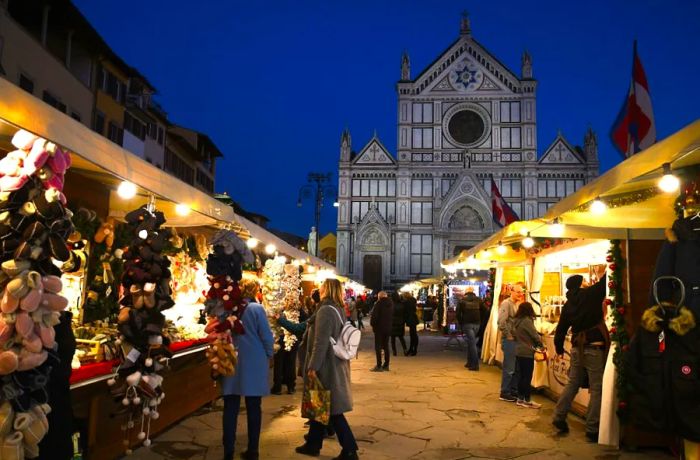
[[15, 267], [7, 331], [12, 183], [31, 427], [58, 248], [149, 295], [8, 364], [7, 416], [17, 287], [46, 334], [23, 140], [53, 302], [28, 360], [136, 292], [48, 206], [36, 158], [11, 447], [52, 284]]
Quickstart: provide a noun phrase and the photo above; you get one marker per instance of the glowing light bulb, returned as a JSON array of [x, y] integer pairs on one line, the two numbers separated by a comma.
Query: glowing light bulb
[[557, 229], [270, 249], [126, 190], [252, 243], [528, 242], [182, 209], [486, 254], [501, 249], [669, 183], [598, 207]]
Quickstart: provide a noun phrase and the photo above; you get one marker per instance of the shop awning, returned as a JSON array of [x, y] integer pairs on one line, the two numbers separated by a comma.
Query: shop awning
[[102, 159]]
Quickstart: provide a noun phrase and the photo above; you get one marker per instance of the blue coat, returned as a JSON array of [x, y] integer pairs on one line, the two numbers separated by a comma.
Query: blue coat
[[254, 351]]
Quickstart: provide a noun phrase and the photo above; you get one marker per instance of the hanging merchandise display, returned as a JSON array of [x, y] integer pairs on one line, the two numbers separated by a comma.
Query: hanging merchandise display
[[189, 284], [224, 305], [273, 295], [145, 295], [290, 285], [34, 228]]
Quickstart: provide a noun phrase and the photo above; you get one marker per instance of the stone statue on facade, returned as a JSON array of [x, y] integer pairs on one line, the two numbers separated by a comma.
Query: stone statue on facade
[[313, 249]]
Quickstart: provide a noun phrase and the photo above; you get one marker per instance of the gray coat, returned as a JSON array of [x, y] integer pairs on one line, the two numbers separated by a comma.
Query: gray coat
[[333, 372], [526, 336]]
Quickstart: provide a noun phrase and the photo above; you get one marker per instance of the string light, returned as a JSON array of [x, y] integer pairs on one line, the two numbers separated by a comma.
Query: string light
[[126, 190], [528, 242], [501, 249], [557, 228], [668, 182], [182, 209], [524, 232], [486, 254], [598, 207], [252, 243], [270, 249]]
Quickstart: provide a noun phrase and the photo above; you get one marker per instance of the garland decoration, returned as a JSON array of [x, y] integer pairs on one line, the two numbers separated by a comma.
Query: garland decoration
[[273, 295], [491, 283], [540, 245], [618, 331], [623, 199], [291, 283]]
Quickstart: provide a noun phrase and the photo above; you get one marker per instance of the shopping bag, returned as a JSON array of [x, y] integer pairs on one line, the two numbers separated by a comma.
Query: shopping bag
[[540, 354], [316, 402]]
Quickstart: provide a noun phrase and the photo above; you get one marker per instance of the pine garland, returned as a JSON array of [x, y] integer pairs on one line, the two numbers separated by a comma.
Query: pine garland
[[618, 331], [488, 299]]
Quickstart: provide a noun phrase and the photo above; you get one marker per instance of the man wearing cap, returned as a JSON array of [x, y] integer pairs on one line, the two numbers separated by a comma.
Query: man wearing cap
[[506, 313], [583, 314]]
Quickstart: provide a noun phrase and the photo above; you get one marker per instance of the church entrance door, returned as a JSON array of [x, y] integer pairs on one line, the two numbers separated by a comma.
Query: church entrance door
[[372, 272]]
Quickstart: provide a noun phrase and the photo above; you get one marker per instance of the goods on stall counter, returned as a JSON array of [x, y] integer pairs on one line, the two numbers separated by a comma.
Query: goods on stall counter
[[137, 385], [34, 227], [291, 285], [224, 306], [273, 295], [190, 284]]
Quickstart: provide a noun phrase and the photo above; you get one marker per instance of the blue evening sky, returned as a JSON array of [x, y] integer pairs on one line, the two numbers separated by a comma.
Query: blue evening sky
[[274, 83]]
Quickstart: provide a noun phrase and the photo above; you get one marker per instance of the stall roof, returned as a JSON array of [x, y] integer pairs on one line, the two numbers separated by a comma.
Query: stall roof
[[637, 209], [103, 159]]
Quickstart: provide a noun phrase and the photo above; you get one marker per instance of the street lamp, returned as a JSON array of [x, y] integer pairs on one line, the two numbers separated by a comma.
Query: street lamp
[[318, 187]]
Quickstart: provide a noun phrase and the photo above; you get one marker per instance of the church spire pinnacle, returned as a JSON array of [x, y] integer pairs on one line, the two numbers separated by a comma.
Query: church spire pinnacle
[[405, 67], [465, 26], [345, 145], [526, 62]]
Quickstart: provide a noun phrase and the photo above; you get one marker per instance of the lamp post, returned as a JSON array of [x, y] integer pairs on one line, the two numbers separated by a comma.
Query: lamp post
[[318, 187]]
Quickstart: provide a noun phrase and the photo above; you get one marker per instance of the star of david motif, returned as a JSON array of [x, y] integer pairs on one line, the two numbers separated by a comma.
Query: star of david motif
[[466, 77]]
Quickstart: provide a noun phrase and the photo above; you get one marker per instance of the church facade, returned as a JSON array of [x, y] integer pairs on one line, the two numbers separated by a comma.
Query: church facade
[[462, 122]]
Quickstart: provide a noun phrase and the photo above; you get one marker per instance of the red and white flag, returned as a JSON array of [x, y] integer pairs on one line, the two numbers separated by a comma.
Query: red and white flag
[[634, 129], [503, 214]]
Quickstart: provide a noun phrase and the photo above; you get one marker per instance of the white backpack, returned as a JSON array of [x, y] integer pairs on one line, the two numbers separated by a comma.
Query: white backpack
[[348, 341]]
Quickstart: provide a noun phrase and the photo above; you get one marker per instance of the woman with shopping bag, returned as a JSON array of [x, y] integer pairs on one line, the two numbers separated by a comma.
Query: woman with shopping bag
[[325, 372]]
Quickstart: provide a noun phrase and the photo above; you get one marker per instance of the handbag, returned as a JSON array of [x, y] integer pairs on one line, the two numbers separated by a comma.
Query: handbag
[[316, 402], [540, 354]]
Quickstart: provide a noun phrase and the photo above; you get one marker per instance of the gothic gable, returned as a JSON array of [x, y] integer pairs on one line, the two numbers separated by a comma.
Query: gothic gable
[[561, 152], [466, 207], [466, 66], [374, 153]]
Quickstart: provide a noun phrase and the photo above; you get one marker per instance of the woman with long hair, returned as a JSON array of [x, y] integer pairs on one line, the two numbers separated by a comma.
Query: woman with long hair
[[255, 348], [527, 340], [333, 372]]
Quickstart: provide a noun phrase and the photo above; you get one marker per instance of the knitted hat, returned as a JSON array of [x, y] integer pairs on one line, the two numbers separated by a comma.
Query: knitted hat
[[574, 282]]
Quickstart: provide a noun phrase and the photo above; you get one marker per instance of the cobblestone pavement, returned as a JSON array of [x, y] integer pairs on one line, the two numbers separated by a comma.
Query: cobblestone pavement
[[427, 407]]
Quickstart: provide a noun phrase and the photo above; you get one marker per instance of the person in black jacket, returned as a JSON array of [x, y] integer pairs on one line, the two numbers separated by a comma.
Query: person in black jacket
[[58, 442], [398, 324], [380, 321], [469, 310], [583, 314], [410, 306]]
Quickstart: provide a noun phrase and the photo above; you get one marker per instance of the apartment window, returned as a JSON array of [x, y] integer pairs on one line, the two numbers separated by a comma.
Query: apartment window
[[422, 187], [205, 181], [54, 102], [422, 138], [111, 85], [511, 157], [511, 188], [26, 83], [421, 254], [160, 135], [374, 187], [422, 157], [99, 122], [134, 126], [152, 130], [510, 138], [115, 133], [510, 112], [177, 166], [422, 113], [422, 212], [445, 185]]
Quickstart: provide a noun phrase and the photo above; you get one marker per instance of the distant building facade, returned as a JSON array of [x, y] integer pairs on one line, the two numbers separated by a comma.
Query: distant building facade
[[464, 120]]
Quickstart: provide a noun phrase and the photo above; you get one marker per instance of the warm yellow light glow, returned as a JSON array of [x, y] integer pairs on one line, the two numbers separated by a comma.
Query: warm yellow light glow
[[486, 254], [252, 243], [557, 229], [528, 242], [311, 269], [669, 183], [501, 249], [126, 190], [283, 259], [598, 207], [270, 249], [182, 210], [523, 231]]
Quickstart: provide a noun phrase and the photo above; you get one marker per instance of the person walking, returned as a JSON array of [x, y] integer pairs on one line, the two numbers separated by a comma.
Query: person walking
[[360, 305], [506, 313], [285, 361], [333, 373], [527, 340], [255, 349], [583, 314], [352, 306], [381, 320], [411, 313], [469, 310], [398, 324]]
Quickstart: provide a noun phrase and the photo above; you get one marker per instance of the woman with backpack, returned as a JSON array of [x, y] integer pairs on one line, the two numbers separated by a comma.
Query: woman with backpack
[[333, 372]]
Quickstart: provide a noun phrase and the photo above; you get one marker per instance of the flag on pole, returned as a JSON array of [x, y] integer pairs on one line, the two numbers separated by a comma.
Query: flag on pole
[[634, 129], [503, 214]]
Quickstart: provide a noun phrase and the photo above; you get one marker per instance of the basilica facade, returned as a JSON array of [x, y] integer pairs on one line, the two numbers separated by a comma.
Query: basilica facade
[[462, 122]]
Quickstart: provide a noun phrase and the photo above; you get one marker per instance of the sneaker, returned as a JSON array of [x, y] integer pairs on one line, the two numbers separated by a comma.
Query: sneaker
[[561, 426], [376, 369], [508, 398], [305, 449], [385, 368], [346, 456], [276, 391], [528, 404]]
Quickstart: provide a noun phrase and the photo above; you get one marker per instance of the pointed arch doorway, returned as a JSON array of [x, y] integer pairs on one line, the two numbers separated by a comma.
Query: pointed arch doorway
[[372, 271]]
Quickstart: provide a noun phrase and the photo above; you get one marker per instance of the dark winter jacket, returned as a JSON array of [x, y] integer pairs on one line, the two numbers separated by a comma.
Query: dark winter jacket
[[410, 313], [398, 320], [382, 314], [526, 336], [583, 311], [469, 309], [665, 385]]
